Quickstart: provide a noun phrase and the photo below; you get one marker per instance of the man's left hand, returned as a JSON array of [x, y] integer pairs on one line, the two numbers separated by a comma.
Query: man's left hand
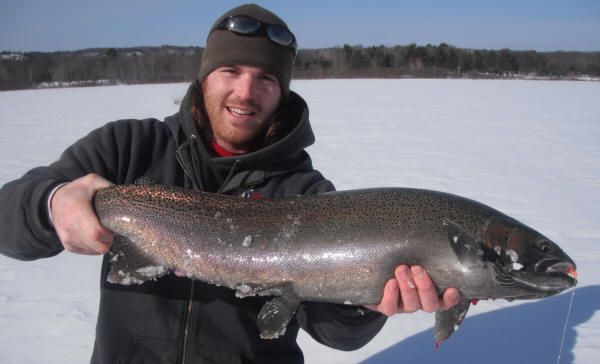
[[412, 290]]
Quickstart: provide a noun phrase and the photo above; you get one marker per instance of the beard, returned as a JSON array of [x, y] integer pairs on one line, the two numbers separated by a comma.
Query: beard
[[246, 134]]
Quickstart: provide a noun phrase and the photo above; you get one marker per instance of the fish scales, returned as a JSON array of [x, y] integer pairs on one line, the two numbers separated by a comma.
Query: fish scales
[[290, 235], [336, 247]]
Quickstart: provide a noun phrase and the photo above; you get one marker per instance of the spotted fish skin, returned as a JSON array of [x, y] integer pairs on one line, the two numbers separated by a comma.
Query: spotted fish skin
[[338, 247]]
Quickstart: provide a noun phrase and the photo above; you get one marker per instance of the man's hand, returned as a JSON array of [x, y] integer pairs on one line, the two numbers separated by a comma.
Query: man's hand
[[75, 220], [416, 292]]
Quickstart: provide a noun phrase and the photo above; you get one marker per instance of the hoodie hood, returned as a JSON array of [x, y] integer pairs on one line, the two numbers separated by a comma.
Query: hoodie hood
[[215, 174]]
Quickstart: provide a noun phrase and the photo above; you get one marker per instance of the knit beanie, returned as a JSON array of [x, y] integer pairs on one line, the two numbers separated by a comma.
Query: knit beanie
[[226, 48]]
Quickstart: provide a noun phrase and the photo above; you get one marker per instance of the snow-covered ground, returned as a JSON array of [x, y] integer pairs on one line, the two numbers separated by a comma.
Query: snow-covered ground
[[528, 148]]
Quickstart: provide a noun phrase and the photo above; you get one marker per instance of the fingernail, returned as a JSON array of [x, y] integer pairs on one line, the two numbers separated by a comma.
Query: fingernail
[[417, 271], [404, 276], [402, 272], [454, 296]]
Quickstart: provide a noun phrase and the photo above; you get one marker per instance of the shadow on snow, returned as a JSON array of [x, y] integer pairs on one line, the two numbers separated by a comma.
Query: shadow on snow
[[527, 333]]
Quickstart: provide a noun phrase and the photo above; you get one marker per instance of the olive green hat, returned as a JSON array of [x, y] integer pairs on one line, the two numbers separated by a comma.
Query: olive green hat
[[229, 48]]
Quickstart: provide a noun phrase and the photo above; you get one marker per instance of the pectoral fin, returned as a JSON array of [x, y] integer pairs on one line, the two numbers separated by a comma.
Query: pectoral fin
[[469, 251], [446, 322], [275, 315], [128, 264]]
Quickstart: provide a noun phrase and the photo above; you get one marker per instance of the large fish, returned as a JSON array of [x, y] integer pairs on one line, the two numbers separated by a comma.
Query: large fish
[[338, 247]]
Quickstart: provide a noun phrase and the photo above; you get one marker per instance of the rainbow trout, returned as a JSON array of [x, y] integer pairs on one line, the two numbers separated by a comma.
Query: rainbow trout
[[338, 247]]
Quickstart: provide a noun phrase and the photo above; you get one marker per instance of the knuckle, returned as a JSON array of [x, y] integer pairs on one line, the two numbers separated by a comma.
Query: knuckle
[[65, 238], [387, 311], [70, 247], [430, 309], [411, 303], [410, 309], [96, 235], [89, 177], [103, 249]]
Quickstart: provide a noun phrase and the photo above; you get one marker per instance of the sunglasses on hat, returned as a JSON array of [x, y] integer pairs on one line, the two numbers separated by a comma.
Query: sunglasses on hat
[[245, 25]]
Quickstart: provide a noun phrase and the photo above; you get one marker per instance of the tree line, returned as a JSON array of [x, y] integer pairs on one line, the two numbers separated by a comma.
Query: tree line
[[443, 60], [180, 64]]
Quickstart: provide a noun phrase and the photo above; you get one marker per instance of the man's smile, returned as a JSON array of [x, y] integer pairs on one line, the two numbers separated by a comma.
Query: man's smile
[[239, 111]]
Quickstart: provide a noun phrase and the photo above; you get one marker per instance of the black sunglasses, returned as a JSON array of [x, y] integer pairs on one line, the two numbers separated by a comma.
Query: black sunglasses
[[245, 25]]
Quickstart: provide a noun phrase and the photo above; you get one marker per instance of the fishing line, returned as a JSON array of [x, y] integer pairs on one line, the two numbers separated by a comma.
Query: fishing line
[[565, 328]]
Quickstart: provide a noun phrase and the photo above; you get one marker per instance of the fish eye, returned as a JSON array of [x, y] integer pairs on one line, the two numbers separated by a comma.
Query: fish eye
[[544, 246]]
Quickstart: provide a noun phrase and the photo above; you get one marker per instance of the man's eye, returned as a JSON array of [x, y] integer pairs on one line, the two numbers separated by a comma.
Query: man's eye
[[269, 78]]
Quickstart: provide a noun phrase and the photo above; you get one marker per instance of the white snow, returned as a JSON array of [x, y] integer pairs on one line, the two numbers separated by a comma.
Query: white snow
[[460, 267], [527, 148], [12, 56], [243, 289], [152, 271], [247, 241], [514, 257]]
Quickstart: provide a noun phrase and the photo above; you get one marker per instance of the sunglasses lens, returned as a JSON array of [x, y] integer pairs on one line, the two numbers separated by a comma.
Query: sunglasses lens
[[280, 35], [243, 24], [246, 25]]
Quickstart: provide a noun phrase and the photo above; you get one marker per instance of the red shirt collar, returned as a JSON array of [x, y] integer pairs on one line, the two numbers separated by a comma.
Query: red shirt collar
[[216, 150]]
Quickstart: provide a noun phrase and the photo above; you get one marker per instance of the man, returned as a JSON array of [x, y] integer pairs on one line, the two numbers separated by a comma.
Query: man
[[240, 131]]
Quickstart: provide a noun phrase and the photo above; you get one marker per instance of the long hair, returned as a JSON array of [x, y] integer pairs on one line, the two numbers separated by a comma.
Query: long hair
[[278, 127]]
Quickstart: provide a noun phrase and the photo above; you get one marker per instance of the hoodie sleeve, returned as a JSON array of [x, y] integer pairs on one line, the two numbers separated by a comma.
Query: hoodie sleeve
[[26, 232], [342, 327], [25, 229]]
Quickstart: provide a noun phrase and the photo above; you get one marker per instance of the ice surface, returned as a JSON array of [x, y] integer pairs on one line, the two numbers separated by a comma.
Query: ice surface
[[527, 148]]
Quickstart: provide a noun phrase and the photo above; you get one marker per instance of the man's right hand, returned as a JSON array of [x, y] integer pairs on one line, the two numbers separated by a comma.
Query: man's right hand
[[75, 219]]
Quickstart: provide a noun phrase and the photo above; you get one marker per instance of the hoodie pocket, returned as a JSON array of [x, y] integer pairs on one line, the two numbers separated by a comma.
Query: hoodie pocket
[[143, 350], [207, 355]]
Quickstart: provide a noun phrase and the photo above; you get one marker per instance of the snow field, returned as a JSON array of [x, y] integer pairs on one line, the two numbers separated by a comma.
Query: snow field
[[527, 148]]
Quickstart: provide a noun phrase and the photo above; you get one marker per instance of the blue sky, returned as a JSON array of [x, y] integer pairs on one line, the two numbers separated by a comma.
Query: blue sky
[[543, 25]]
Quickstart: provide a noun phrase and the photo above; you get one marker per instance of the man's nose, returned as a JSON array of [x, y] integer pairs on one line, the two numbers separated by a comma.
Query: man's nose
[[245, 87]]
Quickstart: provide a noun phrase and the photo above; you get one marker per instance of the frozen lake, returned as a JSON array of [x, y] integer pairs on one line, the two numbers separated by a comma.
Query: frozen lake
[[527, 148]]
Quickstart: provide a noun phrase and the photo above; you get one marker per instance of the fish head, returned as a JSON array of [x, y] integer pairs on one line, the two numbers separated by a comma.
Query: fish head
[[537, 266]]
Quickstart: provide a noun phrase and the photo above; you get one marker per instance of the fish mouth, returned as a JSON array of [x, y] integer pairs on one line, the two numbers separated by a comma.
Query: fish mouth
[[557, 266], [549, 277], [563, 268]]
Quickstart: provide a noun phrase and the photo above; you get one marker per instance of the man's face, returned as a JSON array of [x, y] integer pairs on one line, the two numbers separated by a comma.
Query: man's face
[[240, 101]]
